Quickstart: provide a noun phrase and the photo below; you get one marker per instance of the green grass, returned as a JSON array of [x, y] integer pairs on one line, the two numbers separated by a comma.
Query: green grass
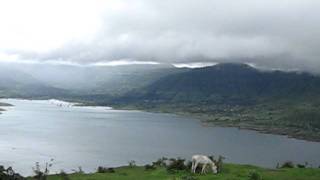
[[230, 172]]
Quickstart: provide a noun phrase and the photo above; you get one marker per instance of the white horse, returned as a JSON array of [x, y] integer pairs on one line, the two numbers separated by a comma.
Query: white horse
[[205, 161]]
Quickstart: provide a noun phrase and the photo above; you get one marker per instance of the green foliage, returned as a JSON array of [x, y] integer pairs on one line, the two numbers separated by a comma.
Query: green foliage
[[9, 174], [304, 117], [160, 162], [301, 166], [254, 176], [63, 175], [105, 170], [132, 163], [176, 165], [287, 164]]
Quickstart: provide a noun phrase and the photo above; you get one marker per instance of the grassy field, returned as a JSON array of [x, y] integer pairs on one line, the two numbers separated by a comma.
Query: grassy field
[[230, 172]]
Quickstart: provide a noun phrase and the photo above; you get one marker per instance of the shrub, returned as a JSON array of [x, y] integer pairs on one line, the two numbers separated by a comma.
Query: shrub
[[176, 165], [189, 165], [132, 164], [64, 175], [105, 170], [301, 166], [80, 171], [254, 176], [160, 162], [111, 170], [42, 174], [9, 174], [149, 167], [288, 164], [101, 169]]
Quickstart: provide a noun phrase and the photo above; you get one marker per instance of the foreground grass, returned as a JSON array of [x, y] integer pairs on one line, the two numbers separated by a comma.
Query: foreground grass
[[230, 172]]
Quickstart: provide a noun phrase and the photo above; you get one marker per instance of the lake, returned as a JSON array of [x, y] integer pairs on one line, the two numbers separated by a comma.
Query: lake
[[38, 130]]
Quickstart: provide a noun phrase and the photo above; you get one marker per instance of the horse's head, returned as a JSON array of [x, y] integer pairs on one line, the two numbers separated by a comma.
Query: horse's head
[[214, 168]]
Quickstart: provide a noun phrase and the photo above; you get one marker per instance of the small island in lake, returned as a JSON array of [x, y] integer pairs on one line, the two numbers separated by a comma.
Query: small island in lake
[[4, 105]]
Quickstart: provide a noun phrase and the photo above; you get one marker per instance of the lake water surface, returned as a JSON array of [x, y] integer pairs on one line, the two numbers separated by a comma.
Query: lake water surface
[[36, 131]]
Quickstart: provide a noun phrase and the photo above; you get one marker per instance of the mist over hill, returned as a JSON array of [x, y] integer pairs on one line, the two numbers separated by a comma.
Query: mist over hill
[[68, 80], [227, 83], [16, 84]]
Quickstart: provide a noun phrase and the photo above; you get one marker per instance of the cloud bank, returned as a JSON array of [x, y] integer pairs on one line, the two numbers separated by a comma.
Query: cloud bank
[[270, 33]]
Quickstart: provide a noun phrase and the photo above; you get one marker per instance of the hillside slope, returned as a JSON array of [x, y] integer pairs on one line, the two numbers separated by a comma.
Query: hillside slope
[[14, 83], [228, 83]]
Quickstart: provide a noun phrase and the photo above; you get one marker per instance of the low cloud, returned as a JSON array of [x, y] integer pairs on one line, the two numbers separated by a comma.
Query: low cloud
[[270, 33]]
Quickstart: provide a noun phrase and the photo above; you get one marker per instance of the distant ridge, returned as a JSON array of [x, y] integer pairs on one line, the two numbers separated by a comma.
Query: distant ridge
[[226, 83]]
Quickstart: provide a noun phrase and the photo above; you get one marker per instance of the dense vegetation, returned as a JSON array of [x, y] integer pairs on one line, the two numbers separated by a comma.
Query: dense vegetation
[[233, 84]]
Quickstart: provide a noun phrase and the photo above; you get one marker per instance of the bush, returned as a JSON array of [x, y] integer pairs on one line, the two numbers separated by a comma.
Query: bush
[[9, 174], [80, 171], [42, 174], [189, 165], [132, 164], [288, 164], [254, 176], [64, 175], [149, 167], [105, 170], [160, 162], [176, 165], [301, 166]]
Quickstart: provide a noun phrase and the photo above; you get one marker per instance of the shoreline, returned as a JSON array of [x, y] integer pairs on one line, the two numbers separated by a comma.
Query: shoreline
[[281, 131]]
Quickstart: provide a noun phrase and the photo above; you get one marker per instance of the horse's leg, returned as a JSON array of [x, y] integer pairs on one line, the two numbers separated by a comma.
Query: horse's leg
[[203, 168], [195, 167], [192, 167]]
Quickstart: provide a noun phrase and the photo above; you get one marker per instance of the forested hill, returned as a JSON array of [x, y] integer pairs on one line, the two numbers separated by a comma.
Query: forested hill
[[18, 84], [227, 83]]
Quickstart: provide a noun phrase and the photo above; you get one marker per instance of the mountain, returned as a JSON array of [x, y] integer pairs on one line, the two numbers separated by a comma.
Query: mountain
[[78, 82], [98, 80], [14, 83], [227, 83]]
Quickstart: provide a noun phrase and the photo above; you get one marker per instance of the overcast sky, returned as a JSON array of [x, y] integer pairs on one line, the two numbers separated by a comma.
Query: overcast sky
[[271, 33]]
